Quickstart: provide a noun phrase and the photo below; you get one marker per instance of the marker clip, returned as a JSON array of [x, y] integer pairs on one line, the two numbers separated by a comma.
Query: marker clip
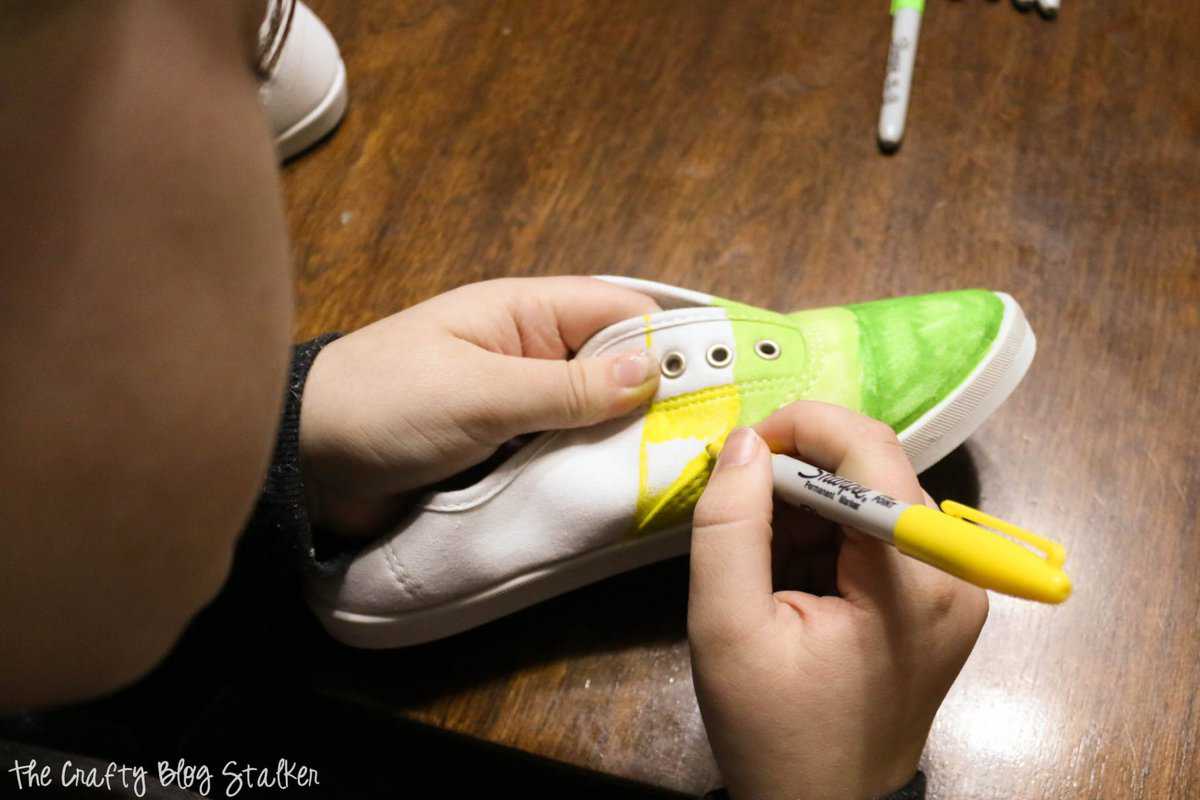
[[1054, 553]]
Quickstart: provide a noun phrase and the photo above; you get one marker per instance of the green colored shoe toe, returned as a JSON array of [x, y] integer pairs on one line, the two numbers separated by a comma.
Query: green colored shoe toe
[[914, 351]]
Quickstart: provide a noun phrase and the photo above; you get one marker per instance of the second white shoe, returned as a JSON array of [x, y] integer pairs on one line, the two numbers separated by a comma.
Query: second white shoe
[[304, 93]]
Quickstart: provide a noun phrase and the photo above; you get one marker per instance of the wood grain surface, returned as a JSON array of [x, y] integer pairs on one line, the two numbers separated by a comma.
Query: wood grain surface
[[730, 147]]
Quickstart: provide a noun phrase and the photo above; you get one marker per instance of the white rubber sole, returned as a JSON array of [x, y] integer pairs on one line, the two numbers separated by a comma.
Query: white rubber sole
[[948, 424], [927, 440], [317, 123]]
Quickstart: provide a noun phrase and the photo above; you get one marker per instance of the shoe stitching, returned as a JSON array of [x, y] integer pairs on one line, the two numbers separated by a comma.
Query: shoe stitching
[[415, 589], [713, 393], [398, 572], [388, 557]]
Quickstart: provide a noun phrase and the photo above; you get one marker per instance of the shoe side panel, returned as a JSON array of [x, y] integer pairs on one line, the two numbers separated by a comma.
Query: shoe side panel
[[577, 495]]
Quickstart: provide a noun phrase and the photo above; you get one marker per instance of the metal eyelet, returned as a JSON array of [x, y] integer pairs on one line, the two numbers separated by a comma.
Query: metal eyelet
[[719, 356], [767, 349], [673, 364]]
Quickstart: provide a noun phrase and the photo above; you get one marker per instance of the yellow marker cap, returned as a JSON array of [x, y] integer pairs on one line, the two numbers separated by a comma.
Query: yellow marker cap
[[956, 542]]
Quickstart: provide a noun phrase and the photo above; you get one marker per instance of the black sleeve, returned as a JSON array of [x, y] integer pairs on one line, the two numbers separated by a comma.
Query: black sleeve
[[280, 528], [913, 790]]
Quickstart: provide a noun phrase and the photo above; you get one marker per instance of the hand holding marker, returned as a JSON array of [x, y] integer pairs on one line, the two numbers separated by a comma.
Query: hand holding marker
[[944, 539], [948, 541], [902, 56]]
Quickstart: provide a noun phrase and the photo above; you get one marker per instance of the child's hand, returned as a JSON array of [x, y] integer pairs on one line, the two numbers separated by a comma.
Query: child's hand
[[805, 696], [427, 392]]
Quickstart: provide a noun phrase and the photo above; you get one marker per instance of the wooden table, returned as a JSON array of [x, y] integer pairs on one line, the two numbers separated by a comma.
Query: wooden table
[[729, 147]]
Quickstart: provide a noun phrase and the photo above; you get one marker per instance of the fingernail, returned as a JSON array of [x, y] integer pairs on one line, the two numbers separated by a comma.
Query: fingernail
[[739, 448], [634, 369]]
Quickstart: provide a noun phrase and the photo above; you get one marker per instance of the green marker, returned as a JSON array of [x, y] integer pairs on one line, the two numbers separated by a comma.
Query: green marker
[[897, 83]]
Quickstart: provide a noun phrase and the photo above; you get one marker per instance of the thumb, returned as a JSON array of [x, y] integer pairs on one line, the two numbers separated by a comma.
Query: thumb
[[550, 394], [730, 587]]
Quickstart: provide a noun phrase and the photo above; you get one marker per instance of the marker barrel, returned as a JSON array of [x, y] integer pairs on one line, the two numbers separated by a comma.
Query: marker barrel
[[897, 83], [836, 498], [949, 543]]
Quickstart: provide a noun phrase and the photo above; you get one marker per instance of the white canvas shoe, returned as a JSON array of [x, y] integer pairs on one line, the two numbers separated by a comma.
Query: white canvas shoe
[[304, 91], [572, 507]]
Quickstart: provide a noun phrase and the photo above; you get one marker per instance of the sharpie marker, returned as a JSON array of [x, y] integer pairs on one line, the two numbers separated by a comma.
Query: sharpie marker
[[897, 83], [953, 539]]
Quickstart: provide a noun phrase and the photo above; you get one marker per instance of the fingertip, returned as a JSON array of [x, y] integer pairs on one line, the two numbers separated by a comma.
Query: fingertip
[[633, 379], [741, 447], [776, 430], [730, 586], [633, 370], [740, 487]]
